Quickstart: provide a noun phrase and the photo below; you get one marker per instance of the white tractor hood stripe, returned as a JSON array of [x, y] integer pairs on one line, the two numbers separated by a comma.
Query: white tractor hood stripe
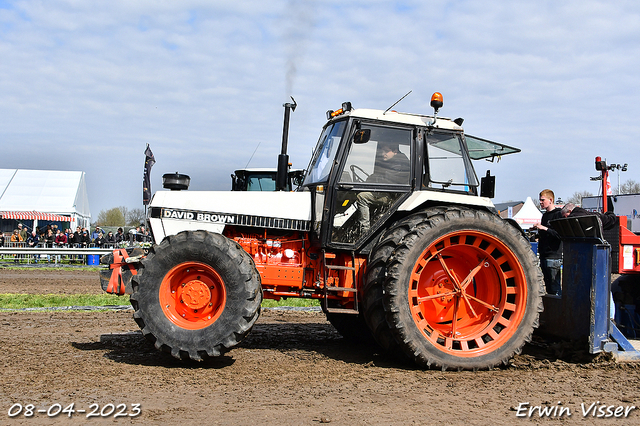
[[279, 205]]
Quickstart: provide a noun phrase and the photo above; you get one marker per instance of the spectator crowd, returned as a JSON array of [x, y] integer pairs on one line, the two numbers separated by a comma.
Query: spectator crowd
[[51, 236]]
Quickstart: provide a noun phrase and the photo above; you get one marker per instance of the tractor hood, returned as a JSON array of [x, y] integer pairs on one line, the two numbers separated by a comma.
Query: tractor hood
[[175, 211]]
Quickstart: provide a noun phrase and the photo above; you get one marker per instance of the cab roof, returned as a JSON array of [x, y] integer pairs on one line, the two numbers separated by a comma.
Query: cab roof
[[479, 148], [402, 118]]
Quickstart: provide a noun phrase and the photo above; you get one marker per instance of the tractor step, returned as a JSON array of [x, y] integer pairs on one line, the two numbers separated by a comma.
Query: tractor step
[[328, 260], [342, 311], [352, 290], [340, 268]]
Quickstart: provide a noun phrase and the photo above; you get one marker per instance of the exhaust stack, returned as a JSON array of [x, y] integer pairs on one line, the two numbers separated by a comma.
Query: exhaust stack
[[283, 158]]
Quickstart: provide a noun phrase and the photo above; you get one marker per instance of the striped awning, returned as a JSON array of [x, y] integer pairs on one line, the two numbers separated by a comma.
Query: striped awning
[[35, 216]]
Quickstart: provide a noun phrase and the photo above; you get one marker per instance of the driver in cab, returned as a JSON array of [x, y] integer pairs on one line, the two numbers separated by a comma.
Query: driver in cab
[[393, 169]]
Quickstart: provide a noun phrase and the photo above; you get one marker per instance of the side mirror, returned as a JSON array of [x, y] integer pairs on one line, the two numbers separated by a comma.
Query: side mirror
[[488, 186], [362, 136]]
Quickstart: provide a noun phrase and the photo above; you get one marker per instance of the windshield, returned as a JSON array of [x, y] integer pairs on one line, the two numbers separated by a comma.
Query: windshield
[[325, 152], [261, 182]]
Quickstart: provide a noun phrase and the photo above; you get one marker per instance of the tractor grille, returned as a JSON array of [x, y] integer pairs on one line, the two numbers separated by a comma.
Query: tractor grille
[[272, 223]]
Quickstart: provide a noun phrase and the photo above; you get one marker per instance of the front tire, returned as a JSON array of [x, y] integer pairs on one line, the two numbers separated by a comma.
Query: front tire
[[197, 295]]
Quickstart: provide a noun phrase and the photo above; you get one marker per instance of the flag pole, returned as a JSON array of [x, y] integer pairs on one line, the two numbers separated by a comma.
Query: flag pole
[[149, 161]]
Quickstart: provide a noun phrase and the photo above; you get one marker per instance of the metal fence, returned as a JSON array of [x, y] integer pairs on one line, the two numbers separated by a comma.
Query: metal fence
[[22, 253]]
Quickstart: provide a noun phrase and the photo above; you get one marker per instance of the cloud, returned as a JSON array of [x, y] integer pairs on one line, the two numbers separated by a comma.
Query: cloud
[[85, 85]]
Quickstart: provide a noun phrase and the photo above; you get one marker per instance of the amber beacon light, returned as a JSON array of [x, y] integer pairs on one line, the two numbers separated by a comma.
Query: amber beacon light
[[436, 101]]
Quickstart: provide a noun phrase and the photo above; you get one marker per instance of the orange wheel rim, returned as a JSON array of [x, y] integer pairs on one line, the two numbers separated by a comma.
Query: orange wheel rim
[[467, 293], [192, 295]]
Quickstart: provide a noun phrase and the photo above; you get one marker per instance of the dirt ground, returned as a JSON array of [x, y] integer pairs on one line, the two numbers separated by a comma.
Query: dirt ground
[[293, 369]]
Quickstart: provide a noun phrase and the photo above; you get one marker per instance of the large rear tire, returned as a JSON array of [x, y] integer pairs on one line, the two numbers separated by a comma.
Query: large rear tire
[[197, 295], [462, 289], [373, 290]]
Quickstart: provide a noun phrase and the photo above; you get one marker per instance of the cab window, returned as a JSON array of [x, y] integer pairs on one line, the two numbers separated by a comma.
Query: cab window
[[446, 163], [375, 176]]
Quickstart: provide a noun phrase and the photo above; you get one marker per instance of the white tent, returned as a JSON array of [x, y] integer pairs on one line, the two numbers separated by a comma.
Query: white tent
[[44, 195], [528, 215]]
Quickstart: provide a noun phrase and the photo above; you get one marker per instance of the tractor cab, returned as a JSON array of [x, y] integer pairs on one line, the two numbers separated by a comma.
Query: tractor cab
[[370, 165]]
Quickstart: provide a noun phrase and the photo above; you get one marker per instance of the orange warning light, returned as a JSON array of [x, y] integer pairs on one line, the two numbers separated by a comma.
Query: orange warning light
[[436, 101]]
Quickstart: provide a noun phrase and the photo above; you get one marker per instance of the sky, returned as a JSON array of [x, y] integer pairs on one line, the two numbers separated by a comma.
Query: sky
[[86, 85]]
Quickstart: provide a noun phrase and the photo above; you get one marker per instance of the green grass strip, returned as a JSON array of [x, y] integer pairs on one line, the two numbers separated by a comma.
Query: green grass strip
[[23, 301], [292, 301]]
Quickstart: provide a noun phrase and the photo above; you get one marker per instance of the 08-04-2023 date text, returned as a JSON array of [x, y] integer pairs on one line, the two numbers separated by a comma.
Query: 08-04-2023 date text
[[57, 410]]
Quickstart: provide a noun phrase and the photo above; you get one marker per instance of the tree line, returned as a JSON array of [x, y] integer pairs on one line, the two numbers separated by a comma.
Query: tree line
[[629, 187], [120, 216]]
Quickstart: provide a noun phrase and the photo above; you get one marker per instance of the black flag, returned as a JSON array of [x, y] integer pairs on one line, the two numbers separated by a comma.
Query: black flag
[[149, 161]]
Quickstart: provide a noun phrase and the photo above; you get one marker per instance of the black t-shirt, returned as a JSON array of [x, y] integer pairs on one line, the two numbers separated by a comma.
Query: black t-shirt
[[549, 242]]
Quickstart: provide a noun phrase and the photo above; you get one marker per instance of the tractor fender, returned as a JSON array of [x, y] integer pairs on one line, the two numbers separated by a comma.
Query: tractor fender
[[515, 224]]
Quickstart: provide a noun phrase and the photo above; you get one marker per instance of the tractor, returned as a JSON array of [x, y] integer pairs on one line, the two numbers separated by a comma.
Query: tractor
[[391, 231]]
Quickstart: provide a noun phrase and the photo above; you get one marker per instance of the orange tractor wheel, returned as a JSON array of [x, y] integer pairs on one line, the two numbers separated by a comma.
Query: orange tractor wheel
[[462, 289], [197, 295]]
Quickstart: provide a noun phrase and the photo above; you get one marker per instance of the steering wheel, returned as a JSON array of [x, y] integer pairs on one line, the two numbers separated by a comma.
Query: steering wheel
[[356, 177]]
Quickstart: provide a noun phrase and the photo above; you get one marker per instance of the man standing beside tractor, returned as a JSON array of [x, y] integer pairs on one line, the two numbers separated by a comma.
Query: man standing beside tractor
[[549, 243]]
